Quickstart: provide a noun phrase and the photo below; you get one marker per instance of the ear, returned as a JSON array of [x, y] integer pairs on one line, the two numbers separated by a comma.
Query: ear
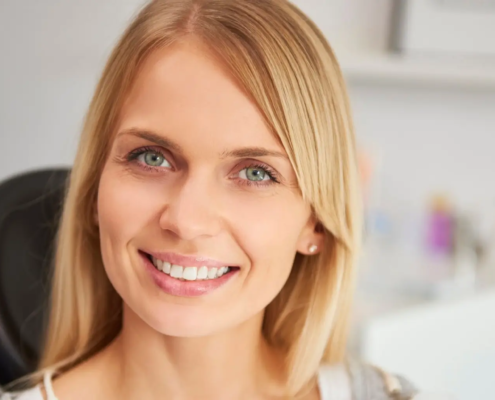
[[312, 237]]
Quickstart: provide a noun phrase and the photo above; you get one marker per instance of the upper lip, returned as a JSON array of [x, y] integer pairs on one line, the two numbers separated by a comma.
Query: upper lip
[[188, 260]]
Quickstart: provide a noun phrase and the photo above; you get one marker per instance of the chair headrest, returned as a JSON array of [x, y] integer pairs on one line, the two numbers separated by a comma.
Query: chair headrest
[[30, 207]]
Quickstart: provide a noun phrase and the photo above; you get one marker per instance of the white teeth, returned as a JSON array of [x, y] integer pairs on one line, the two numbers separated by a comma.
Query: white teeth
[[203, 273], [176, 271], [157, 263], [212, 273], [190, 273]]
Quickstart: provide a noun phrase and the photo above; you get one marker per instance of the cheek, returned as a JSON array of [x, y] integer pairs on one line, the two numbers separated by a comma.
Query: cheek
[[125, 208], [126, 205], [269, 233]]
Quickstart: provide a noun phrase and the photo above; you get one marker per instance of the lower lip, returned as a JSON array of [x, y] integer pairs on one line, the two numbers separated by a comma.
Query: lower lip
[[176, 287]]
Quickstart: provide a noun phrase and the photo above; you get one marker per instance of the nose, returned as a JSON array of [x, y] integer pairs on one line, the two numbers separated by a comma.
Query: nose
[[191, 210]]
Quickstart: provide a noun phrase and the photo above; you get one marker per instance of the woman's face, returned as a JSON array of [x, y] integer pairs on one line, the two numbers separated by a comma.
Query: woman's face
[[196, 178]]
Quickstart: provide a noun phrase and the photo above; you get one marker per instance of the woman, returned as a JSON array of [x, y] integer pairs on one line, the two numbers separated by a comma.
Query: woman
[[212, 220]]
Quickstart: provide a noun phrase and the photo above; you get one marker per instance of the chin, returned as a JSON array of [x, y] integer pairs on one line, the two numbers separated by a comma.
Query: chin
[[179, 320]]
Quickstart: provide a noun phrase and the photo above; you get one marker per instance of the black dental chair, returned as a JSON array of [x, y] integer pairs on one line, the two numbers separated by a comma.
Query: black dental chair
[[30, 206]]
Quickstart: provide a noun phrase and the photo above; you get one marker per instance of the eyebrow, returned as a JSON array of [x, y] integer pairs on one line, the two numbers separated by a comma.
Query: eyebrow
[[244, 152], [247, 152], [152, 137]]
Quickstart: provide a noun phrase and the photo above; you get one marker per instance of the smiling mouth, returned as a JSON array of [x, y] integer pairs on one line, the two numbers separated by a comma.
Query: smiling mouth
[[191, 274]]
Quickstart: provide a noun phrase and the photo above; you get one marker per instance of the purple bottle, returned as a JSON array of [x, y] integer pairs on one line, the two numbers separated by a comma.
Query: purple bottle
[[439, 238]]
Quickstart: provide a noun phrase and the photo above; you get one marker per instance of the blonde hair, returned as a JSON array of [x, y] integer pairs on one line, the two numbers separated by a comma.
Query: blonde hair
[[284, 62]]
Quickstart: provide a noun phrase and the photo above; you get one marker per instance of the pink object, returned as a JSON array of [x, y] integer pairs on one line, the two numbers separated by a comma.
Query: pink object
[[440, 228], [440, 233]]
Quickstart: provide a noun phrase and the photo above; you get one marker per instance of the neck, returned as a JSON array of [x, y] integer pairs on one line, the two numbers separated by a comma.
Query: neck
[[236, 363]]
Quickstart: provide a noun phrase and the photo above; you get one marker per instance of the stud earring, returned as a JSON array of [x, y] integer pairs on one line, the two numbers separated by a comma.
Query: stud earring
[[313, 248]]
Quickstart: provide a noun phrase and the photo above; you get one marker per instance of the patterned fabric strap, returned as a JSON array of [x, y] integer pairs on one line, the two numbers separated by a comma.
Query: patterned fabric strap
[[372, 383]]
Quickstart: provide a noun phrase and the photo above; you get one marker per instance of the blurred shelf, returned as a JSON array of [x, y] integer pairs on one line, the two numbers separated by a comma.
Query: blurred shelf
[[396, 69]]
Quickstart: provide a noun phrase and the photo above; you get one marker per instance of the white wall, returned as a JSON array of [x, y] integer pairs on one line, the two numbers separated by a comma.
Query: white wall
[[52, 53], [431, 140]]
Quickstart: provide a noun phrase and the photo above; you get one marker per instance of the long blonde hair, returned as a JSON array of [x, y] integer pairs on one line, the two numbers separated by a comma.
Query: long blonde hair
[[284, 62]]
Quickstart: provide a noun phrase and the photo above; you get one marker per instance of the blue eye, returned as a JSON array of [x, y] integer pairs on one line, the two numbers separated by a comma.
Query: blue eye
[[255, 174], [153, 159]]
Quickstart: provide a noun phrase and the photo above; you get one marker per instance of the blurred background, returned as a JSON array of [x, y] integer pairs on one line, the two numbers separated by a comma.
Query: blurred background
[[421, 76]]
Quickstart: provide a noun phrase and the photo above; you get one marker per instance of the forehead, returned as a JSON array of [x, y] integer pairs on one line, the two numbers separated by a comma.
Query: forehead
[[185, 90]]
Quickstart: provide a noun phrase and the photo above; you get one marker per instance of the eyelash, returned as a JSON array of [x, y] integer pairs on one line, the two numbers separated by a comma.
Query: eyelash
[[133, 155]]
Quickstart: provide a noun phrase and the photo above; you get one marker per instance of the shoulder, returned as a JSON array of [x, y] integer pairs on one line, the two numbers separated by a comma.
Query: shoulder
[[334, 382], [370, 382], [362, 381], [31, 394]]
